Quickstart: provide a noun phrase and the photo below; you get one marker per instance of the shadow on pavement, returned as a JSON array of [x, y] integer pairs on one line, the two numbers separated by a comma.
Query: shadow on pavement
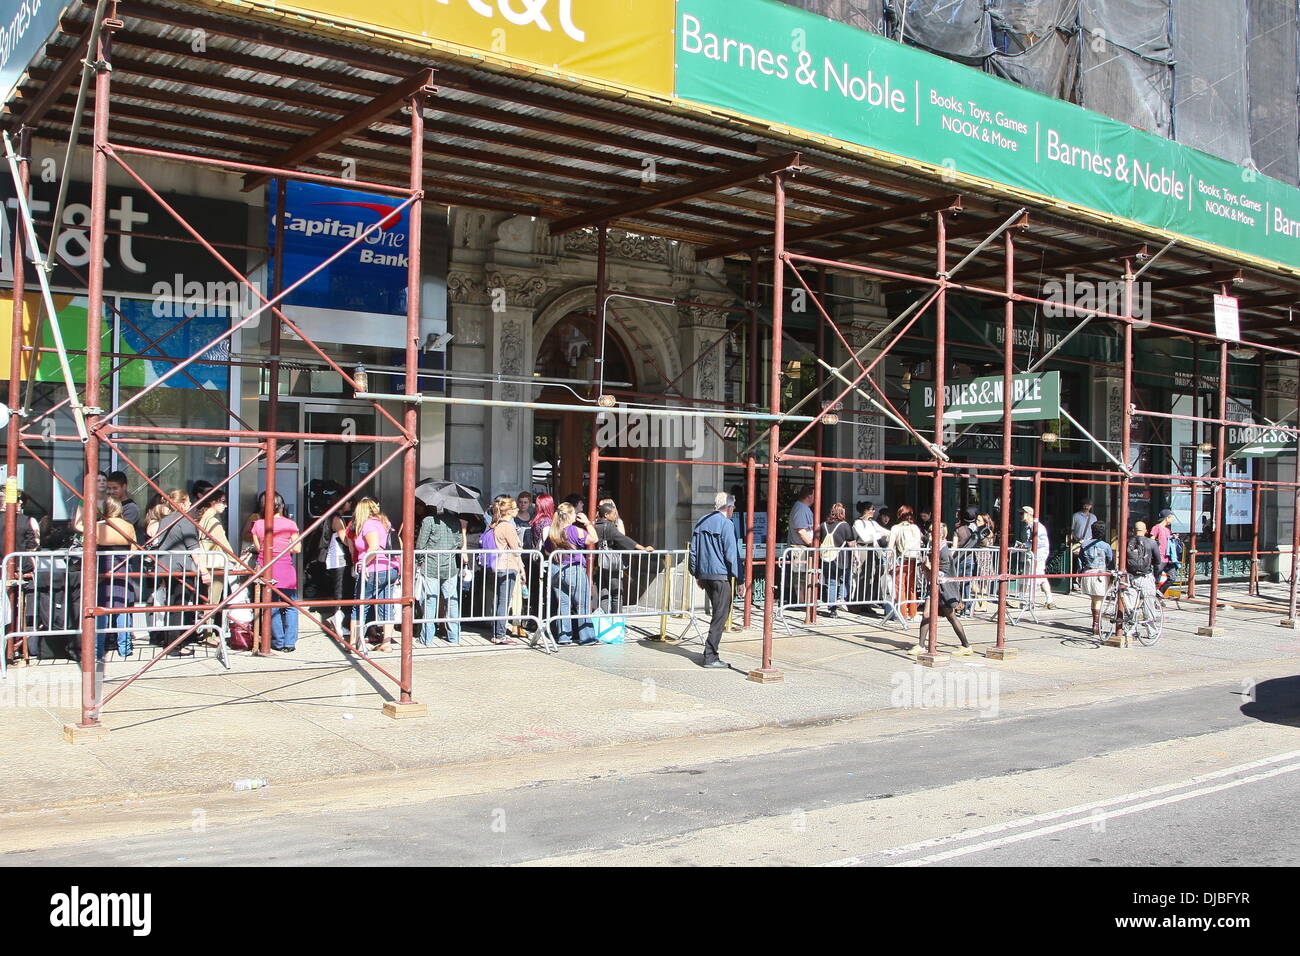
[[1276, 701]]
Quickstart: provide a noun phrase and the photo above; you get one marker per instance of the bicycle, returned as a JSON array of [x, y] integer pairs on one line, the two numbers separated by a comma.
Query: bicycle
[[1124, 611]]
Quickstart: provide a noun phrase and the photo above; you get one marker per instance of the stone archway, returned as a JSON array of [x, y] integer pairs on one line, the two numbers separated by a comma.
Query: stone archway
[[648, 333], [647, 358]]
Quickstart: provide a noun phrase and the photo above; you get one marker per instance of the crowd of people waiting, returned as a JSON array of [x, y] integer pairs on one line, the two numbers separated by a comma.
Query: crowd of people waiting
[[530, 544], [876, 563], [355, 567]]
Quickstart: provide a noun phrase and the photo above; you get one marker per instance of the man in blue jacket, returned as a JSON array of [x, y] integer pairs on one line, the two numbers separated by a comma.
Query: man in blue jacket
[[715, 563]]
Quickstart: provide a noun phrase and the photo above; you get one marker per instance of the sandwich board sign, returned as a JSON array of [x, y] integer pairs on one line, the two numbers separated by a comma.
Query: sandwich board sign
[[1036, 396]]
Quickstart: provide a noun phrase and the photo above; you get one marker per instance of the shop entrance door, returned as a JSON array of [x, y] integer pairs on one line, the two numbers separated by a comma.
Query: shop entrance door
[[562, 444], [330, 468]]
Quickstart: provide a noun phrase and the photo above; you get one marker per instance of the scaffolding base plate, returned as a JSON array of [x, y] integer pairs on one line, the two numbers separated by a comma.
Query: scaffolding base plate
[[399, 711], [936, 659], [1288, 622], [765, 676], [1002, 653], [1117, 640], [74, 734], [1204, 631]]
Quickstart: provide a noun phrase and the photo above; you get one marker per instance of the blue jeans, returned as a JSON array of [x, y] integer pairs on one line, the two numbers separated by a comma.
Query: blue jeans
[[284, 624], [449, 588], [573, 597], [107, 624], [375, 586], [837, 589]]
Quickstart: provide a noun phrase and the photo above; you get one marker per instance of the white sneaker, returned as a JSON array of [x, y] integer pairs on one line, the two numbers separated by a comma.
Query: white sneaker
[[963, 652], [916, 651]]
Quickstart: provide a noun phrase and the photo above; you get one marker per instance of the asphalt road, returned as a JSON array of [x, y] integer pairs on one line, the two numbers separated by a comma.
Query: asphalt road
[[1196, 776]]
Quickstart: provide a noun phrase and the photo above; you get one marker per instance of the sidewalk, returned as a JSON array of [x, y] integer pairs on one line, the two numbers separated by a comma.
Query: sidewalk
[[191, 726]]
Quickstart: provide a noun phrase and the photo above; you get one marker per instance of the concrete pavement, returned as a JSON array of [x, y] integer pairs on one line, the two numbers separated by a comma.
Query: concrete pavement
[[1085, 779], [190, 726]]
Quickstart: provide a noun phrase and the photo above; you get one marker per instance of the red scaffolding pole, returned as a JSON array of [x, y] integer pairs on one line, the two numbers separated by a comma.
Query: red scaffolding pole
[[102, 424]]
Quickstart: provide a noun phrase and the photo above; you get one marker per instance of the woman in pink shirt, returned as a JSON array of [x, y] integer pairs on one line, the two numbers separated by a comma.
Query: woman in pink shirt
[[284, 573], [377, 572]]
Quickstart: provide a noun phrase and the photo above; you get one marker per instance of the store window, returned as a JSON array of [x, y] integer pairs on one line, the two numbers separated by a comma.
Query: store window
[[194, 397]]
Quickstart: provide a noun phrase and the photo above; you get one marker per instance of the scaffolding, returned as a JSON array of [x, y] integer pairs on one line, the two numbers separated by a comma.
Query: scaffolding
[[732, 192]]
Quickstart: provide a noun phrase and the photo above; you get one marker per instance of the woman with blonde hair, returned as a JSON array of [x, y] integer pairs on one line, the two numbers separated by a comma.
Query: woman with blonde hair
[[506, 563], [836, 559], [159, 508], [377, 572], [113, 536], [214, 547], [567, 541]]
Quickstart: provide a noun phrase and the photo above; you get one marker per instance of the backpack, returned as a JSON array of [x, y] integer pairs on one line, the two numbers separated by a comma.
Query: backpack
[[830, 551], [1137, 557], [488, 542]]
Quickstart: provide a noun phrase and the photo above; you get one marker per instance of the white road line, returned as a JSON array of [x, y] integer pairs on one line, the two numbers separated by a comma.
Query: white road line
[[1095, 818], [1020, 822]]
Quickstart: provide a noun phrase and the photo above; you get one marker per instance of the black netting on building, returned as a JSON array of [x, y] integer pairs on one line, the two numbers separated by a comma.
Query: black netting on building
[[1271, 76], [1036, 44], [1210, 110], [958, 29], [1125, 62], [1219, 75]]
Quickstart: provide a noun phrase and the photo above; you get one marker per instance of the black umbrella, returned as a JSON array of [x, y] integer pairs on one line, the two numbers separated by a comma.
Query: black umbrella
[[449, 496]]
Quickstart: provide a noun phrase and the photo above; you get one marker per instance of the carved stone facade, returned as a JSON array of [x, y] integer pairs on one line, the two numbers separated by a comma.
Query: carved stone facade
[[511, 283], [620, 245]]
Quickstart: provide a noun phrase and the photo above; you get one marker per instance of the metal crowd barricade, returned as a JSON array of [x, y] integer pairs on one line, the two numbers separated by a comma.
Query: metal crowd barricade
[[42, 600], [139, 595], [899, 584], [975, 572], [143, 594], [452, 588], [857, 578], [462, 588], [607, 588]]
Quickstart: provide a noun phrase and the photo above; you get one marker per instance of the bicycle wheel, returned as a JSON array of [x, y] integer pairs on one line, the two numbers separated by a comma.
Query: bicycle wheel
[[1149, 629], [1108, 614]]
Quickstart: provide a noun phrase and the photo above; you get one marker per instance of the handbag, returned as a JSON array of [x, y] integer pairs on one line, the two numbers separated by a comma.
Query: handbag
[[239, 629], [607, 559]]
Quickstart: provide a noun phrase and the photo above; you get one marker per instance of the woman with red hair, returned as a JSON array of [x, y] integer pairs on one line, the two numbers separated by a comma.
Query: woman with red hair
[[905, 543], [534, 537]]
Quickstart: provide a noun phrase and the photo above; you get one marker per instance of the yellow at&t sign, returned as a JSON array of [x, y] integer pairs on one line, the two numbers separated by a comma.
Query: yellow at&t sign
[[626, 43]]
